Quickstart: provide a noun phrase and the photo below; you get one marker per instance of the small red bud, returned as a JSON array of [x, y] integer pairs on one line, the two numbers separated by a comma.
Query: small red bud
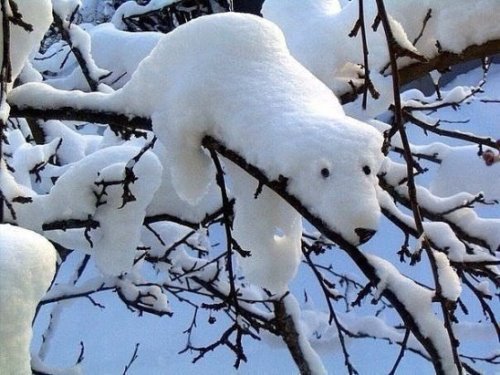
[[489, 157]]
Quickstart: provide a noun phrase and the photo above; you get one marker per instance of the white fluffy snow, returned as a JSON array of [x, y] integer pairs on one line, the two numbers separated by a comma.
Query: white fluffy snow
[[37, 13], [273, 238], [279, 120], [447, 277], [418, 302], [317, 32], [74, 197], [27, 267], [232, 77], [480, 177], [114, 50]]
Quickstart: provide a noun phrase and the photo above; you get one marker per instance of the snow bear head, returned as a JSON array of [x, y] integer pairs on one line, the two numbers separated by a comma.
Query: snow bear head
[[334, 174]]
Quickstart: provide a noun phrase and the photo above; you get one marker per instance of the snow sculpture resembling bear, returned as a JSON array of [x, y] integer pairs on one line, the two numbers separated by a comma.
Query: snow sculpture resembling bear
[[231, 76]]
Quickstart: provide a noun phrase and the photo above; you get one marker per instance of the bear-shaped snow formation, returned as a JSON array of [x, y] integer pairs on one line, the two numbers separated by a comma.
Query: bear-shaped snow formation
[[231, 76]]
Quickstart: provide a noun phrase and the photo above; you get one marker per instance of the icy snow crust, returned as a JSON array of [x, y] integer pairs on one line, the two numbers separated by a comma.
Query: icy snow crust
[[27, 267]]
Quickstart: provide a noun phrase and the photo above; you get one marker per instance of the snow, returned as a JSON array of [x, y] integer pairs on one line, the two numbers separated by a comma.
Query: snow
[[311, 357], [232, 77], [65, 8], [129, 9], [27, 266], [74, 197], [273, 239], [288, 86], [317, 32], [113, 50], [39, 15], [447, 277], [479, 179], [120, 225], [300, 103], [418, 302], [450, 34]]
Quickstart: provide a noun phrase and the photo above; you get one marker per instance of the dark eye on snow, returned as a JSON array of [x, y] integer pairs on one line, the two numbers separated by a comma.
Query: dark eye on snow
[[367, 170], [325, 173]]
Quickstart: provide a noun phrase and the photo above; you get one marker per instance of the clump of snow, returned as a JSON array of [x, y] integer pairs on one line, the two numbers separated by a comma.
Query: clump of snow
[[168, 233], [297, 126], [27, 267], [114, 243], [65, 7], [447, 277], [273, 238], [79, 38], [449, 32], [443, 237], [317, 32], [39, 15], [74, 196], [114, 50]]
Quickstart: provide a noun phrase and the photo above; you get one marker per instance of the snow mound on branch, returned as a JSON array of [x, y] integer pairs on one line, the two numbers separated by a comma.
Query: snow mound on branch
[[130, 9], [265, 106], [38, 14], [114, 243], [117, 51], [119, 211], [27, 267], [317, 32]]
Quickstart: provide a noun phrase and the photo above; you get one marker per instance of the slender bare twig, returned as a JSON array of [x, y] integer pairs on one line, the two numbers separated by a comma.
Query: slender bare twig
[[412, 191]]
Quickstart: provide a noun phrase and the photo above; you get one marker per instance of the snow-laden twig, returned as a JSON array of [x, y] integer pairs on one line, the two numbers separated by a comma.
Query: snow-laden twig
[[79, 43], [412, 191]]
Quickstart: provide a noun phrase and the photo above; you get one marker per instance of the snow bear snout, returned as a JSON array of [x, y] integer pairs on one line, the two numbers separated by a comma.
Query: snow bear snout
[[364, 234]]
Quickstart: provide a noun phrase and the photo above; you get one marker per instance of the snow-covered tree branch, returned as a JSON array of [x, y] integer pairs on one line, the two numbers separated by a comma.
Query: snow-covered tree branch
[[265, 183]]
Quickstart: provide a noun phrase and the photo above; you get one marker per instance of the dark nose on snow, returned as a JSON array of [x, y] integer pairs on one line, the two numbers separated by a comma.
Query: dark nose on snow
[[364, 234]]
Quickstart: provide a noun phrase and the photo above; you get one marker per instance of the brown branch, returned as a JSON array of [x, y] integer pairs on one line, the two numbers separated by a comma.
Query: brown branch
[[434, 128], [442, 61], [306, 250], [412, 190], [445, 59], [119, 120], [288, 331]]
